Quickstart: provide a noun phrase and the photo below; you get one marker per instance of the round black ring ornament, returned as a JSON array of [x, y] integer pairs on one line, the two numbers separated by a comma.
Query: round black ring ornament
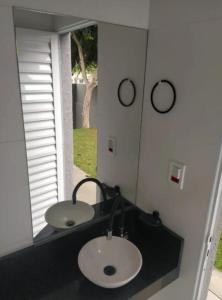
[[134, 92], [173, 100]]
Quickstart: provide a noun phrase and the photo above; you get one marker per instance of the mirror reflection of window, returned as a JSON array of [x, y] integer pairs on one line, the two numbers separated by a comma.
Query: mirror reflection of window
[[52, 81], [57, 60]]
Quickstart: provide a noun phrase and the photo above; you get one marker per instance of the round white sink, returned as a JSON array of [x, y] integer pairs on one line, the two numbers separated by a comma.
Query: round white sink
[[110, 263], [65, 214]]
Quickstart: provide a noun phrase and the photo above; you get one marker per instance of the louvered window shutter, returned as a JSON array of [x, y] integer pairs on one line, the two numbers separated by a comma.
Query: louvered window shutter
[[40, 93]]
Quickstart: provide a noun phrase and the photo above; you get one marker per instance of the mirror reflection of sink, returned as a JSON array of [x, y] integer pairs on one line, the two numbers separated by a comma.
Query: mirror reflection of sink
[[110, 263], [65, 214]]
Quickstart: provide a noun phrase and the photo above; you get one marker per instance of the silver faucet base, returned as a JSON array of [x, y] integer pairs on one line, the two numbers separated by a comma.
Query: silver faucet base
[[109, 235]]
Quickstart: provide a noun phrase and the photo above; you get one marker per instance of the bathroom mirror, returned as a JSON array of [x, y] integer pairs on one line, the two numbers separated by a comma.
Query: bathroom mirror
[[71, 111]]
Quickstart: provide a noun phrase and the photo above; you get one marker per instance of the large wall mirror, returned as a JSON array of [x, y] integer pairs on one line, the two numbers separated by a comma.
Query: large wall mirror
[[74, 125]]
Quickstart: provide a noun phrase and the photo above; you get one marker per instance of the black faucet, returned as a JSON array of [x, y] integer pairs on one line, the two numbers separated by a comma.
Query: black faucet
[[119, 201], [87, 180]]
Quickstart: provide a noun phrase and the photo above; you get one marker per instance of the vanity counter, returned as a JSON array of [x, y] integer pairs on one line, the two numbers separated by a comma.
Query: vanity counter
[[50, 271]]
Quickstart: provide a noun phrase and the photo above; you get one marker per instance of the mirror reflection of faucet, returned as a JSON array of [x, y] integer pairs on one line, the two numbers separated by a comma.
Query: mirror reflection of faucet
[[89, 179], [67, 214], [114, 194]]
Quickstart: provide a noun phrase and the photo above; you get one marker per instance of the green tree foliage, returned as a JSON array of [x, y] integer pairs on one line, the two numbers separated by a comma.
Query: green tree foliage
[[88, 39]]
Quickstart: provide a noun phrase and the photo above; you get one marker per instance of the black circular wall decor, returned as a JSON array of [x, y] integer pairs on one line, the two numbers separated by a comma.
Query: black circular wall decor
[[170, 84], [130, 101]]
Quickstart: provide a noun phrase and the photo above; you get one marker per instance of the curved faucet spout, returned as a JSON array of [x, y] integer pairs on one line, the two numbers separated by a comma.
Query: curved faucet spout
[[87, 180]]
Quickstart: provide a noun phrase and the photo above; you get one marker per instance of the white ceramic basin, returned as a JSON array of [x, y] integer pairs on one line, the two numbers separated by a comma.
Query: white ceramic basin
[[65, 214], [110, 263]]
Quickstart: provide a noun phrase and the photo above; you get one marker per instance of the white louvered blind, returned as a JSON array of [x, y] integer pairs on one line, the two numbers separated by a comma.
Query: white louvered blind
[[34, 49]]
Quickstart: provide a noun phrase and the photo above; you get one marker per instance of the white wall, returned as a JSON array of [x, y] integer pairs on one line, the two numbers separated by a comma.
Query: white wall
[[63, 22], [121, 54], [33, 20], [124, 12], [15, 214], [67, 113], [42, 21], [189, 54], [172, 12]]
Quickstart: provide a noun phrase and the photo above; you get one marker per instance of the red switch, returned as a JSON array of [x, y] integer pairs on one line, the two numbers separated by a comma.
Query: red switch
[[176, 174], [175, 179]]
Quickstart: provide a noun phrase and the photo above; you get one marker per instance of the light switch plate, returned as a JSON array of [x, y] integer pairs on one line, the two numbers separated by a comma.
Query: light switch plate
[[176, 175], [111, 146]]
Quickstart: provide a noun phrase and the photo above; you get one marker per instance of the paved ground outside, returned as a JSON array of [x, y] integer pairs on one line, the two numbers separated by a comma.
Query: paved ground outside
[[87, 192], [212, 296], [215, 288]]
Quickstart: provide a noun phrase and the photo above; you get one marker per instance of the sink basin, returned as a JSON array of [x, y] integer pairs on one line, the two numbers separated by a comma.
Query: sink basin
[[110, 263], [65, 214]]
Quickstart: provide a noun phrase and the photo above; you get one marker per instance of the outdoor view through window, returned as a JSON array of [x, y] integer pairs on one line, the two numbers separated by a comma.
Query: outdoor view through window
[[84, 81]]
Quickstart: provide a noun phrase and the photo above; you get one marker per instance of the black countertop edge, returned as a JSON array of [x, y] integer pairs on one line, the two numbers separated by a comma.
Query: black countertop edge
[[62, 277], [100, 216], [157, 285], [162, 282]]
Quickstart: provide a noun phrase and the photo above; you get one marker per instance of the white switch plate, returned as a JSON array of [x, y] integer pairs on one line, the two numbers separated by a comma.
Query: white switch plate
[[176, 175]]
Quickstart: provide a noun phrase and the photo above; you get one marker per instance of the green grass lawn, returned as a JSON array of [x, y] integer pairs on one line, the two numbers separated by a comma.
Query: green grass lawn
[[218, 262], [85, 149]]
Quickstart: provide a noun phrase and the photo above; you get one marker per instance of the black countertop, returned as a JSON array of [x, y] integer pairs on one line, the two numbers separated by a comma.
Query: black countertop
[[50, 271]]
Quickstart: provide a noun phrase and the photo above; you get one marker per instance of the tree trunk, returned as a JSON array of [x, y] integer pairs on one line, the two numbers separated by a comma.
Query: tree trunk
[[81, 57], [87, 103], [90, 85]]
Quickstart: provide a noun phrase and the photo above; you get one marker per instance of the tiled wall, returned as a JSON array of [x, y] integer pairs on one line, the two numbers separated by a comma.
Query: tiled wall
[[184, 47], [15, 217]]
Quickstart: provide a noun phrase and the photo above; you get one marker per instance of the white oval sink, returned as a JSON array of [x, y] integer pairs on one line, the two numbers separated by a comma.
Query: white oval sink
[[110, 263], [65, 214]]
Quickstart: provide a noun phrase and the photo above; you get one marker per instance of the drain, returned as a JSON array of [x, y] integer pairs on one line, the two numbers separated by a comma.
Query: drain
[[109, 270], [70, 223]]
